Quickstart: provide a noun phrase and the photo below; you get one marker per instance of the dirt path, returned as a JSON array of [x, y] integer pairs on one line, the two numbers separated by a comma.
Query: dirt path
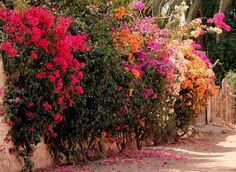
[[212, 150]]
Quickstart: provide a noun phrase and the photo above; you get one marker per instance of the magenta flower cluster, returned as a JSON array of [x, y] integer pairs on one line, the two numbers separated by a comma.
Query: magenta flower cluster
[[218, 20], [139, 5]]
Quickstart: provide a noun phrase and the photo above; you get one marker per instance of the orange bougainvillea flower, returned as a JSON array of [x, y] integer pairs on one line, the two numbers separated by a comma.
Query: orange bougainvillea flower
[[130, 92], [120, 12], [135, 73], [128, 42], [126, 69], [130, 57], [124, 32], [134, 41]]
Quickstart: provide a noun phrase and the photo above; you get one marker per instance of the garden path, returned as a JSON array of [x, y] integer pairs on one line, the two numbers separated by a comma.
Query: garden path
[[212, 149]]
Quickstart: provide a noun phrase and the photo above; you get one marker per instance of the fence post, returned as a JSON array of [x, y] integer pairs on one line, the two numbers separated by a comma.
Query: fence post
[[221, 106]]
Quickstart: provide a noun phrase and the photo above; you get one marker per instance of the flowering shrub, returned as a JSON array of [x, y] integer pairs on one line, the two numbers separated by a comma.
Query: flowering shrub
[[102, 78], [198, 85], [138, 79], [43, 76], [147, 57], [196, 89]]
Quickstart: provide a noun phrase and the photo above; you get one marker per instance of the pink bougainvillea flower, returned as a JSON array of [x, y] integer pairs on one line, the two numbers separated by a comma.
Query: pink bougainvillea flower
[[12, 52], [60, 100], [53, 135], [204, 58], [68, 96], [18, 39], [57, 118], [47, 106], [196, 46], [9, 122], [57, 74], [30, 115], [123, 110], [71, 102], [51, 78], [139, 5], [49, 65], [80, 75], [34, 56], [36, 34], [30, 104], [147, 92], [49, 127], [202, 32], [218, 20], [6, 46], [60, 82], [119, 88], [74, 79], [43, 43], [118, 128], [210, 21], [57, 89], [1, 92], [80, 90], [40, 75], [31, 129], [154, 96], [18, 99]]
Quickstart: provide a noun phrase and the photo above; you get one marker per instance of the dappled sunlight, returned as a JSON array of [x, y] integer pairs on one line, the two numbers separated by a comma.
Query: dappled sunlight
[[229, 142], [192, 152]]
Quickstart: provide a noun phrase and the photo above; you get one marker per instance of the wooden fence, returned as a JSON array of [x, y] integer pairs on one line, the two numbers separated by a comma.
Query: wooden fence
[[221, 106]]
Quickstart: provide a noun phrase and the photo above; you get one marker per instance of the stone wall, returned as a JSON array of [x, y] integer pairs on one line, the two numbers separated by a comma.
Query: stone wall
[[10, 162]]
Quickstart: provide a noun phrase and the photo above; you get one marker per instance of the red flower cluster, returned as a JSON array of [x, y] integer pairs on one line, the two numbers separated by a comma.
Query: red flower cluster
[[47, 107], [58, 118], [53, 46], [6, 46]]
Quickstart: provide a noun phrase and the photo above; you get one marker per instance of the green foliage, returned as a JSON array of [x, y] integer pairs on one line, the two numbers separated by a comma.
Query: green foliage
[[102, 75], [231, 79], [209, 8], [222, 47]]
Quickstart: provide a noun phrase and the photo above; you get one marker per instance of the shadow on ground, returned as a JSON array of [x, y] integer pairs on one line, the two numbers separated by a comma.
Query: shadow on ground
[[213, 151]]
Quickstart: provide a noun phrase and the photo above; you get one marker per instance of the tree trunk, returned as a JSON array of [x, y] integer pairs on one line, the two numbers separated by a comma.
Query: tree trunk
[[224, 4], [196, 7]]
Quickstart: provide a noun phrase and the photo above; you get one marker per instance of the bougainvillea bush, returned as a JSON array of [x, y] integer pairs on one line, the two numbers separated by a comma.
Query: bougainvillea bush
[[196, 89], [113, 79], [103, 77], [43, 76], [126, 80], [198, 85], [150, 59]]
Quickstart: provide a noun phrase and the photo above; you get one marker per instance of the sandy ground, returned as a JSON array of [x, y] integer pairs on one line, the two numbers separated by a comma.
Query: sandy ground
[[213, 149]]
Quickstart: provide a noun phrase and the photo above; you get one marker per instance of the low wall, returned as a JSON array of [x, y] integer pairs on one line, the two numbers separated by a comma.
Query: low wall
[[10, 162]]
